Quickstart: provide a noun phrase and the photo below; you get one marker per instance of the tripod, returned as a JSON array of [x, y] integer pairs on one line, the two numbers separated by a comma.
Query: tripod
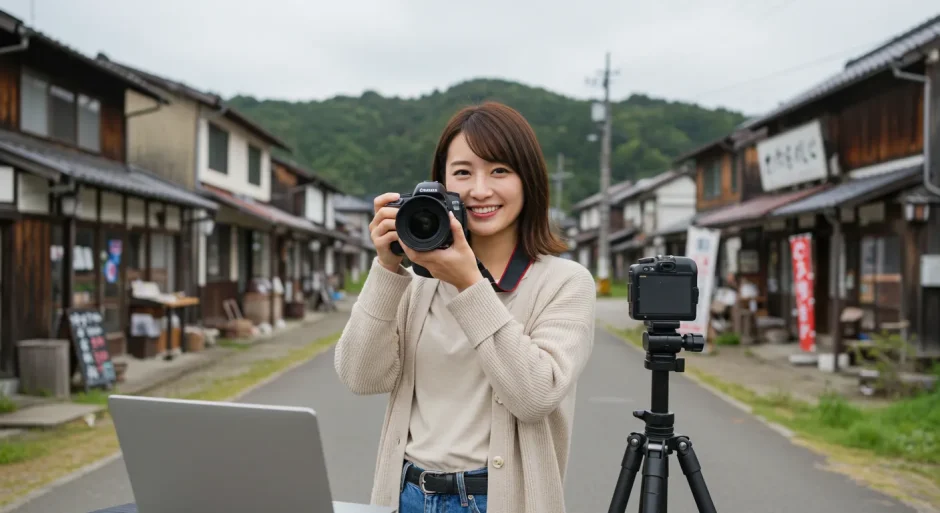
[[662, 342]]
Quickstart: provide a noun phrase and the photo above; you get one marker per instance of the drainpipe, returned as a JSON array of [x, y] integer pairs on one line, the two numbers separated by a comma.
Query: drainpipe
[[923, 79], [18, 47]]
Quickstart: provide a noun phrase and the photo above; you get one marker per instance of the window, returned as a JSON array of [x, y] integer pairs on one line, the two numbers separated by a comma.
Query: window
[[163, 261], [218, 149], [881, 271], [736, 165], [53, 111], [254, 165], [218, 250], [712, 180], [110, 266], [84, 286], [62, 114], [89, 123], [260, 255]]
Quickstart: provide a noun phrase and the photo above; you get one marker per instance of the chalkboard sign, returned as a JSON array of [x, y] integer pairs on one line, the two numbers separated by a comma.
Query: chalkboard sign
[[91, 348]]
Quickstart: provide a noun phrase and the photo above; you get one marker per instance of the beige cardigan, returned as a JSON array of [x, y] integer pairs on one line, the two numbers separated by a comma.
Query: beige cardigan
[[532, 356]]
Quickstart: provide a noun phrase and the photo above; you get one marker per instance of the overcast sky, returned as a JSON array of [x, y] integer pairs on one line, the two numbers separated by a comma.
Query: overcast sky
[[740, 54]]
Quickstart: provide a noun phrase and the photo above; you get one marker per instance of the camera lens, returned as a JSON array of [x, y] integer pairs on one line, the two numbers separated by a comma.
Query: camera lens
[[423, 224]]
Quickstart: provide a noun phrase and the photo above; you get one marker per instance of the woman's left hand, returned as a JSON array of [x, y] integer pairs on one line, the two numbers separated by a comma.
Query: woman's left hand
[[456, 265]]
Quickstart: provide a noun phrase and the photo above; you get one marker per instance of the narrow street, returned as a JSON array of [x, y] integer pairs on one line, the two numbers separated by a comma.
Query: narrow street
[[747, 466]]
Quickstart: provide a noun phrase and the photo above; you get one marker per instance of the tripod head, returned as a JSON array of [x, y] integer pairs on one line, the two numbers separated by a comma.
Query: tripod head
[[663, 342]]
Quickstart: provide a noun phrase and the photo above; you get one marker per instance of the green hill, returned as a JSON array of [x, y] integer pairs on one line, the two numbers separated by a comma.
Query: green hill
[[372, 144]]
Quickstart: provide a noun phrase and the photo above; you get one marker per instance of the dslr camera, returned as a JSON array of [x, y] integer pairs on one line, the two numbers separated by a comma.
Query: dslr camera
[[422, 222], [663, 288]]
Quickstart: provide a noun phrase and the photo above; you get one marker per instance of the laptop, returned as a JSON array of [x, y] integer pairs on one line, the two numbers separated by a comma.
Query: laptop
[[207, 456]]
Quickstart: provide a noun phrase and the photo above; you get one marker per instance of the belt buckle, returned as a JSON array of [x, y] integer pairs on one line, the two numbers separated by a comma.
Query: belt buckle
[[422, 482]]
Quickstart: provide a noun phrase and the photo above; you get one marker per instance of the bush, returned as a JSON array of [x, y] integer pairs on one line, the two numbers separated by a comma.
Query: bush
[[728, 339]]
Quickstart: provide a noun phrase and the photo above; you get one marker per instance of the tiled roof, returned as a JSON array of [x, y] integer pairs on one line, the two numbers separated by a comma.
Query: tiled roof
[[644, 185], [853, 192], [596, 197], [875, 61], [304, 171], [97, 171], [267, 213], [211, 100], [16, 26], [754, 209]]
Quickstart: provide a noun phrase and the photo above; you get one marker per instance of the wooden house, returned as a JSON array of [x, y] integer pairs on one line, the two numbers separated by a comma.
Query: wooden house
[[79, 223], [200, 142], [843, 163], [299, 191], [588, 216]]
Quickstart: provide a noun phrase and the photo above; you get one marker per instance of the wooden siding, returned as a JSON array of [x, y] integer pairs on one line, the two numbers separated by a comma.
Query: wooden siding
[[79, 77], [750, 182], [9, 92], [282, 183], [112, 132], [876, 121], [883, 125], [211, 297], [32, 274], [727, 196]]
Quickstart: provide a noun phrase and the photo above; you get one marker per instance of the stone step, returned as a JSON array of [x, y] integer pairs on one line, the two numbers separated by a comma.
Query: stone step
[[48, 415]]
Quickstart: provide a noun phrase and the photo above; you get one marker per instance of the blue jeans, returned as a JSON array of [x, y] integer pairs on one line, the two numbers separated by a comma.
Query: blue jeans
[[413, 500]]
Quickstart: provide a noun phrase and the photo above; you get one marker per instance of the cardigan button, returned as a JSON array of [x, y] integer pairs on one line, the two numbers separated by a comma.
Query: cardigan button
[[498, 400], [498, 462]]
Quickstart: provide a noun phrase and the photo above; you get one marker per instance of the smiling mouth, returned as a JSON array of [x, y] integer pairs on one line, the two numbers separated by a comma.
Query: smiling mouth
[[485, 210]]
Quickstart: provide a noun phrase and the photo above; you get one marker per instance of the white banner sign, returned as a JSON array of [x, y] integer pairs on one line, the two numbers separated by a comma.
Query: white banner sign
[[702, 247], [793, 157]]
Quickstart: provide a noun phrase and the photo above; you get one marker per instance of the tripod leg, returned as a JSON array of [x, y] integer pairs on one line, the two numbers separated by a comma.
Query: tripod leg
[[655, 476], [629, 468], [693, 472]]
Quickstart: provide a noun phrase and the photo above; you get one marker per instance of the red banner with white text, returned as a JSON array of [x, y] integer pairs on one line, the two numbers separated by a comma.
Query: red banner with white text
[[801, 250]]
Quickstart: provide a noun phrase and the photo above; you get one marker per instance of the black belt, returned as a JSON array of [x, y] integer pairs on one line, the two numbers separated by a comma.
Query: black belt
[[445, 482]]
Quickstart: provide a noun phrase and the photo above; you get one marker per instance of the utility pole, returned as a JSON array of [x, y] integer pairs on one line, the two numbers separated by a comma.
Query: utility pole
[[559, 178], [603, 244]]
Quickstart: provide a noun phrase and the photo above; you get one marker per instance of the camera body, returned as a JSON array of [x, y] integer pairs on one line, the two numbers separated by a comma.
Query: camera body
[[663, 288], [422, 222]]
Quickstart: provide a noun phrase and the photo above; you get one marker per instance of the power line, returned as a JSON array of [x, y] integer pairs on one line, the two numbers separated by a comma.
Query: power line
[[786, 71]]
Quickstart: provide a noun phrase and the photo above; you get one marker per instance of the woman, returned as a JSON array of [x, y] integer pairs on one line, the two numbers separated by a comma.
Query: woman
[[481, 373]]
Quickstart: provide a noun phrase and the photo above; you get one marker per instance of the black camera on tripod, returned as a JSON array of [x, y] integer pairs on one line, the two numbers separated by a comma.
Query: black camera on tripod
[[662, 291], [663, 288], [422, 222]]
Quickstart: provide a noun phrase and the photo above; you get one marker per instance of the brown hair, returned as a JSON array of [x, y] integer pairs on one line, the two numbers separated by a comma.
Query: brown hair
[[498, 133]]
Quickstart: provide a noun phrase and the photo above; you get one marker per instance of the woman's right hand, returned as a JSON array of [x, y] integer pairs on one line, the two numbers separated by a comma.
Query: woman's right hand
[[382, 230]]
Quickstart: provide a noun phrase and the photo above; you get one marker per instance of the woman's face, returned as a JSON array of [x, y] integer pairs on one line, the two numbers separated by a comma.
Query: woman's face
[[492, 192]]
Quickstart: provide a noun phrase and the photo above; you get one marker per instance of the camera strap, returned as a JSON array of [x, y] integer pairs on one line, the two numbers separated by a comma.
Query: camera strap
[[516, 268]]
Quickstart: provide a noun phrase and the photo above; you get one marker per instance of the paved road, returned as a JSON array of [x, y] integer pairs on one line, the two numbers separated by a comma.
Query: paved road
[[748, 467]]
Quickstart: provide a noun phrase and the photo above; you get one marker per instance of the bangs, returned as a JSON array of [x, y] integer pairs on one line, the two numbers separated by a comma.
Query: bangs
[[486, 139]]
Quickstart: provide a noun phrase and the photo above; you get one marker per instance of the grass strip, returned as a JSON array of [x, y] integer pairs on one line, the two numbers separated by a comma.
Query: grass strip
[[894, 448], [38, 457]]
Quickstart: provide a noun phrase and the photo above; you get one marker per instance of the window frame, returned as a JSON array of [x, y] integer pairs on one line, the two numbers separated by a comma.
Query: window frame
[[78, 95], [711, 169], [252, 151], [220, 160]]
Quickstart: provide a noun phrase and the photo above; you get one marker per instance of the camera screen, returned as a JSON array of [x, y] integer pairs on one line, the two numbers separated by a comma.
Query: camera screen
[[667, 294]]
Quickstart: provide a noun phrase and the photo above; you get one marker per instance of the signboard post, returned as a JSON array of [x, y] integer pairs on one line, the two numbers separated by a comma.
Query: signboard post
[[702, 247], [83, 328], [801, 249]]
